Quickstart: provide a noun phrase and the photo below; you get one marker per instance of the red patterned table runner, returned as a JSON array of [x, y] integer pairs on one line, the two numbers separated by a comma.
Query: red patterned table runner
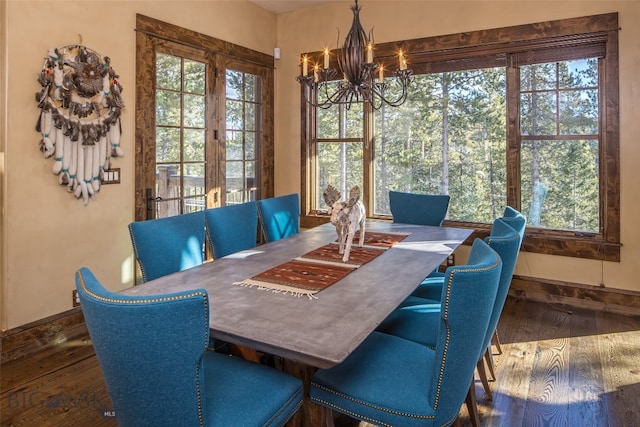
[[322, 267]]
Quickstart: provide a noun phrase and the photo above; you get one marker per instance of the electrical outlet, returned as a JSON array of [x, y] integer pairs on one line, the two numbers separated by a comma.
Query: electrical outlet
[[76, 298]]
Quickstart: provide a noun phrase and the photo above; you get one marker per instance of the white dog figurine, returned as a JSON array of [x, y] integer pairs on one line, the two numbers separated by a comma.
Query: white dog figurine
[[346, 216]]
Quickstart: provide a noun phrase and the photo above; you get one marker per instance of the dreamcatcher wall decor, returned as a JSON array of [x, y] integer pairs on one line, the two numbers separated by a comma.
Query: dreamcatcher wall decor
[[80, 104]]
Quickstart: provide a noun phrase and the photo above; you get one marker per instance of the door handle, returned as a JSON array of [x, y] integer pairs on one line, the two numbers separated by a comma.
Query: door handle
[[150, 201]]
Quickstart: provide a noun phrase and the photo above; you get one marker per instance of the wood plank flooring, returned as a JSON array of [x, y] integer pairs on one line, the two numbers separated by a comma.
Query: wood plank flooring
[[560, 366]]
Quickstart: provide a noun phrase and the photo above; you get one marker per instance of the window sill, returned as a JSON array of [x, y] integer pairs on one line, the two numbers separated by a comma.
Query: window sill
[[535, 240]]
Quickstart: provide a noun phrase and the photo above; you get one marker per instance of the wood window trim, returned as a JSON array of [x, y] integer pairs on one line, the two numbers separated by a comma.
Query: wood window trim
[[147, 31], [500, 44]]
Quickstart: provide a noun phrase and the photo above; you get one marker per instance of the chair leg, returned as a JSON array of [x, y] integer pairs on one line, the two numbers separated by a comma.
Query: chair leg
[[472, 405], [483, 378], [488, 357], [496, 341]]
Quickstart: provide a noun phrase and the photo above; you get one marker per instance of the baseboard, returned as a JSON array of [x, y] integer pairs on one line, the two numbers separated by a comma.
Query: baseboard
[[34, 336], [576, 295]]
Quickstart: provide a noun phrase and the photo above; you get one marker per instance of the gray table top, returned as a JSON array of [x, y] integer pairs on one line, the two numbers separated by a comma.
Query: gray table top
[[319, 332]]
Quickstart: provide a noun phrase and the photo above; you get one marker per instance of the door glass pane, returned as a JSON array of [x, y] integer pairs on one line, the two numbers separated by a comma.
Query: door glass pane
[[167, 145], [250, 145], [249, 116], [167, 108], [234, 114], [250, 87], [165, 208], [234, 145], [194, 145], [234, 176], [243, 135], [194, 111], [235, 87], [194, 77], [180, 135], [168, 71], [168, 181]]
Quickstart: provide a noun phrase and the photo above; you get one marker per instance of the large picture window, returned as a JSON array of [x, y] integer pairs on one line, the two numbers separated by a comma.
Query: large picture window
[[519, 118]]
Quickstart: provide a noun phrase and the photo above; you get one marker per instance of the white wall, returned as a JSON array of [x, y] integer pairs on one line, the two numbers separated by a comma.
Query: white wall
[[48, 234], [314, 28]]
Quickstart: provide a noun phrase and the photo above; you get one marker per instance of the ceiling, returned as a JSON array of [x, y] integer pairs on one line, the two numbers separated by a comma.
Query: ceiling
[[281, 6]]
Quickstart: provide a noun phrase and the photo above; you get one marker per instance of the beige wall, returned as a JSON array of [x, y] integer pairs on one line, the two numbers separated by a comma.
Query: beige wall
[[47, 233], [312, 29]]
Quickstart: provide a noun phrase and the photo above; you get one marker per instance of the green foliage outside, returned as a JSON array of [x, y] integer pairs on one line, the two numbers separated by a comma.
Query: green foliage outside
[[449, 137]]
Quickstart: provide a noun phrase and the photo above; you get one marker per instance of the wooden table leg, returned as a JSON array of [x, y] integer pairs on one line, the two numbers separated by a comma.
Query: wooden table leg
[[310, 415]]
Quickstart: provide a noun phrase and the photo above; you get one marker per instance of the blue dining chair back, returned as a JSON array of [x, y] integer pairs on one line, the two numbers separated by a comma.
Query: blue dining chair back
[[516, 220], [152, 353], [419, 209], [505, 240], [232, 228], [279, 216], [388, 380], [165, 245]]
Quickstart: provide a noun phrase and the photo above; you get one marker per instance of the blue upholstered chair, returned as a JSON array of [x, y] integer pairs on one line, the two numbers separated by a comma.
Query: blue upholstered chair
[[519, 222], [232, 228], [418, 319], [391, 381], [151, 350], [420, 209], [419, 322], [279, 216], [431, 287], [165, 245]]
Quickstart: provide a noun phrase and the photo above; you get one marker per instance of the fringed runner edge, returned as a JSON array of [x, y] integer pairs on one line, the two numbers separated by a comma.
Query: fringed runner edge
[[277, 288]]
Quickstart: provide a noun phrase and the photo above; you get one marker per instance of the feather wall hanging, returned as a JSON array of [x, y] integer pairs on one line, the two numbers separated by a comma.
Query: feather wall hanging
[[80, 104]]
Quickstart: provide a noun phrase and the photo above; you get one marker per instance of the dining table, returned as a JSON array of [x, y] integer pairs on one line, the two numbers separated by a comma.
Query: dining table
[[311, 331]]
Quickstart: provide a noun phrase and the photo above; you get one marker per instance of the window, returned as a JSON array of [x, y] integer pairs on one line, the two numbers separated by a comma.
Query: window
[[521, 118], [204, 122], [559, 144], [339, 150]]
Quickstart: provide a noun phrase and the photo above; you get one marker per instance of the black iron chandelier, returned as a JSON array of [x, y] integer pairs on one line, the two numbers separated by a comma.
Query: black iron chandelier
[[362, 79]]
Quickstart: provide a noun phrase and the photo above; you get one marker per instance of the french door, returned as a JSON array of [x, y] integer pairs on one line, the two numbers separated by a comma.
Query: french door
[[203, 126]]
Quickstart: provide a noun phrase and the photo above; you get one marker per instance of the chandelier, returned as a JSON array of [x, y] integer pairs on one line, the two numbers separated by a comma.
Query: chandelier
[[362, 79]]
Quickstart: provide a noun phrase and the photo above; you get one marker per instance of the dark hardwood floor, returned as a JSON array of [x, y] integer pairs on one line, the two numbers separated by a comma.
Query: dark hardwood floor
[[560, 366]]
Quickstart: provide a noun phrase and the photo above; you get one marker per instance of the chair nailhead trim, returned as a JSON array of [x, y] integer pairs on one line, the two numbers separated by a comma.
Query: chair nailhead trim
[[444, 318], [360, 402], [205, 301]]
